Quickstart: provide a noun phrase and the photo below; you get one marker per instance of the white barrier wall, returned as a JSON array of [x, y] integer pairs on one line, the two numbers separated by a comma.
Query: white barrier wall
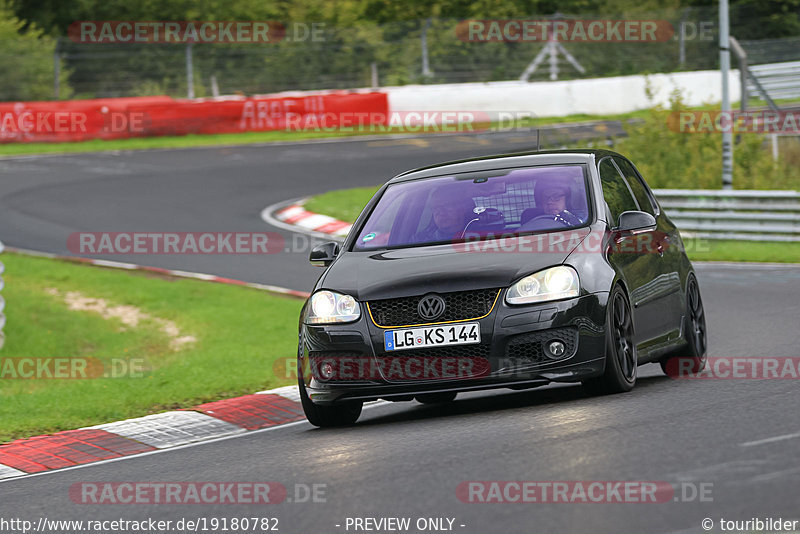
[[596, 96]]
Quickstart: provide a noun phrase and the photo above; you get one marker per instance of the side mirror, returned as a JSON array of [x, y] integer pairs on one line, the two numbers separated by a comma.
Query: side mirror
[[631, 221], [323, 254]]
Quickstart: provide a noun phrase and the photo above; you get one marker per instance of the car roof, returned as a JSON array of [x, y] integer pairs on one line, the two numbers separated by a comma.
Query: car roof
[[499, 161]]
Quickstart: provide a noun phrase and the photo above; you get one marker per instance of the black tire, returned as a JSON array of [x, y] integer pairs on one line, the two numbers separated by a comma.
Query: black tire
[[437, 398], [344, 414], [621, 358], [693, 357]]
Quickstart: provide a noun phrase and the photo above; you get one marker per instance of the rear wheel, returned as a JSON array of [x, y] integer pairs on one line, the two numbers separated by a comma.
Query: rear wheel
[[693, 360], [621, 359], [343, 414], [437, 398]]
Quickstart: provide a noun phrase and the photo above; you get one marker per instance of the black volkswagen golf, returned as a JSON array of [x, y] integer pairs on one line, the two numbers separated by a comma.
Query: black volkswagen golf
[[510, 271]]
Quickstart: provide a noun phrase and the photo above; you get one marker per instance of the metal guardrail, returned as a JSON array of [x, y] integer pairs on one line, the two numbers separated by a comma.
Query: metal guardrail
[[743, 215], [779, 80], [2, 302]]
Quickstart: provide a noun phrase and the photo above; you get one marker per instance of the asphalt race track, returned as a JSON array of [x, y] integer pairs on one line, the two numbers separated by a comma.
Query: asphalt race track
[[737, 439]]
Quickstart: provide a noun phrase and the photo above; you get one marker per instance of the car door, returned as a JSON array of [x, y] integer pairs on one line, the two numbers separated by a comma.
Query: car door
[[667, 245], [630, 255]]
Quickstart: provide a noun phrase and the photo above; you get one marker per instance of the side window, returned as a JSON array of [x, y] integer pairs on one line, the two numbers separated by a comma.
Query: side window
[[639, 191], [615, 190]]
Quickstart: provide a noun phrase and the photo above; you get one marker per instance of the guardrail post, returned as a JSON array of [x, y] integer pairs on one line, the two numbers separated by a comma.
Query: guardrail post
[[189, 72], [725, 67]]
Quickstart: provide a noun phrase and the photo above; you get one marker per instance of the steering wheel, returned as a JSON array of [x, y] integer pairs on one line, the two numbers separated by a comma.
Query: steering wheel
[[553, 218]]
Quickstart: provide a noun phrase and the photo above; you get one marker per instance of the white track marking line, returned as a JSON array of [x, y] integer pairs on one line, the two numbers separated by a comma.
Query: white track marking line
[[774, 474], [770, 440]]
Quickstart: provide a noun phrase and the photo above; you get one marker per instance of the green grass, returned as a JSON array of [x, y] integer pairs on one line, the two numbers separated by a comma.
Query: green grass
[[342, 204], [346, 204], [243, 337], [729, 250]]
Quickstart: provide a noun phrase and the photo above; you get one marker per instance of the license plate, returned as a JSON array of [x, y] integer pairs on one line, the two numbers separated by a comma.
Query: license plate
[[432, 336]]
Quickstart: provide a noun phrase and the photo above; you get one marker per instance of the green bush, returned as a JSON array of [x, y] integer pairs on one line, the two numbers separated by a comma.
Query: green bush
[[675, 160]]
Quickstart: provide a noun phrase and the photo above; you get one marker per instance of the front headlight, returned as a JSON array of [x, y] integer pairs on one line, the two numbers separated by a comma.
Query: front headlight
[[554, 283], [326, 307]]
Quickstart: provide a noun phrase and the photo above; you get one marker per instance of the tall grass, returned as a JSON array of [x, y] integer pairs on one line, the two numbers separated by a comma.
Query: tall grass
[[672, 159]]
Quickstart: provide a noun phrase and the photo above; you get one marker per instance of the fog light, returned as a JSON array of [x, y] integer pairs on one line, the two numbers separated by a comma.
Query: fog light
[[556, 348], [326, 370]]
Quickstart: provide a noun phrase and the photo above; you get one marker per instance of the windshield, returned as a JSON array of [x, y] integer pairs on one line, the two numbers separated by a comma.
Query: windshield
[[475, 206]]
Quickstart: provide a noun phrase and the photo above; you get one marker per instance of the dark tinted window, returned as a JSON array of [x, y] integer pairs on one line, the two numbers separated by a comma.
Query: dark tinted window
[[630, 174], [485, 205], [615, 191]]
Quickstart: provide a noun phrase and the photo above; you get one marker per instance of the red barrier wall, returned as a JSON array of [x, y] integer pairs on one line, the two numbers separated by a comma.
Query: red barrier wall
[[115, 118]]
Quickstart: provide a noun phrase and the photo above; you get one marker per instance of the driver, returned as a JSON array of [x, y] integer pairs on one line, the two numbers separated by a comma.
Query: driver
[[450, 212], [553, 197]]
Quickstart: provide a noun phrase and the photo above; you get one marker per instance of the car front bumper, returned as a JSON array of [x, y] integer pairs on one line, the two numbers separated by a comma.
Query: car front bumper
[[511, 354]]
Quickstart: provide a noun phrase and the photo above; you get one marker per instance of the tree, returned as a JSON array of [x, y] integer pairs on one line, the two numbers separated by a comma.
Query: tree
[[26, 61]]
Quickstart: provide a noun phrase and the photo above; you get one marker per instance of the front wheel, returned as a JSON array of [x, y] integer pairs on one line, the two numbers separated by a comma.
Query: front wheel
[[621, 359], [344, 414], [694, 330]]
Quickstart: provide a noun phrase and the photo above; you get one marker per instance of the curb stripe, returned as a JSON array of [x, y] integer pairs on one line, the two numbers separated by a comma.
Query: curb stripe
[[254, 411], [296, 215], [170, 429], [8, 472], [68, 448], [112, 441], [288, 392]]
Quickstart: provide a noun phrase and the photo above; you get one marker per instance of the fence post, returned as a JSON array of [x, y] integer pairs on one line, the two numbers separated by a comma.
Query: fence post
[[189, 71], [682, 39], [725, 65], [57, 70], [426, 67], [214, 86], [374, 75]]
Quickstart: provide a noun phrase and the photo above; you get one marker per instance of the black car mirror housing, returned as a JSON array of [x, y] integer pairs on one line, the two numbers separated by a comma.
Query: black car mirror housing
[[323, 254], [631, 221]]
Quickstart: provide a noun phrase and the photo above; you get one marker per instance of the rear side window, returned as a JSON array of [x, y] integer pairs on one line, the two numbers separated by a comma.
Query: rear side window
[[615, 191], [639, 191]]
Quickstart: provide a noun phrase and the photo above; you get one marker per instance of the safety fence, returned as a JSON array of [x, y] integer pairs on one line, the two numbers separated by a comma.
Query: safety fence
[[735, 214], [115, 118]]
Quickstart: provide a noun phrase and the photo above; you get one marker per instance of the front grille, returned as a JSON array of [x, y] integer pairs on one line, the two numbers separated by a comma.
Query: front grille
[[436, 363], [526, 349], [459, 306]]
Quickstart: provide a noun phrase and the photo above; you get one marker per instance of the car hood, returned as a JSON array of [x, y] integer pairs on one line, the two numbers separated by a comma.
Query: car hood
[[405, 272]]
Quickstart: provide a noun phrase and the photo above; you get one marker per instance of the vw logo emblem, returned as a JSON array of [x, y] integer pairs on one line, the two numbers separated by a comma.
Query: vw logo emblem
[[431, 307]]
